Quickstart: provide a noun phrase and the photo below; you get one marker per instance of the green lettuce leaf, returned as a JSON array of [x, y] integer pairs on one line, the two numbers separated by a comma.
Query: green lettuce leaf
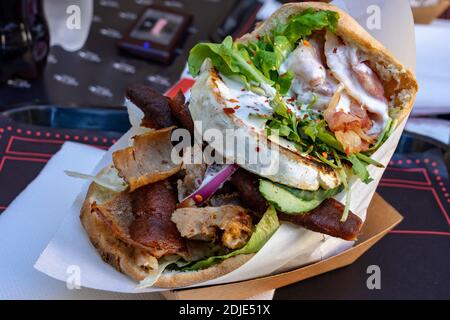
[[282, 47], [359, 169], [385, 134], [260, 61], [318, 132], [263, 232], [283, 82], [267, 56], [228, 60]]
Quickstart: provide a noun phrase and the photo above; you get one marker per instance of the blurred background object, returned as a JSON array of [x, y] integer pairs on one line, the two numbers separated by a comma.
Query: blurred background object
[[156, 34], [425, 11], [433, 68], [84, 67], [24, 39], [97, 73]]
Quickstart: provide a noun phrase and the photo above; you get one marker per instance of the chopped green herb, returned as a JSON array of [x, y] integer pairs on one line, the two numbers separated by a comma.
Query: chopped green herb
[[368, 160], [359, 169], [257, 65], [390, 126]]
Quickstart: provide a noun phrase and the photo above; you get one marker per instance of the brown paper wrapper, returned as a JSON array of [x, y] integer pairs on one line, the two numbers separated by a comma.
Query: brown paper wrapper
[[381, 218]]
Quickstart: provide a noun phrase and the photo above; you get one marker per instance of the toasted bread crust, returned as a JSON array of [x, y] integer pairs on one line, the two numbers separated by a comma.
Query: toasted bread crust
[[182, 279], [112, 250], [122, 256]]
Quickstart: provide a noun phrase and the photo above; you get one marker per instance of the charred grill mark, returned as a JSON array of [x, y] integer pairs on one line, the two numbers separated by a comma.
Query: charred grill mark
[[307, 160]]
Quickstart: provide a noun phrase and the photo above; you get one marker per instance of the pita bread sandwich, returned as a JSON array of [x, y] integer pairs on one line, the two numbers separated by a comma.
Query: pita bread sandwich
[[308, 82]]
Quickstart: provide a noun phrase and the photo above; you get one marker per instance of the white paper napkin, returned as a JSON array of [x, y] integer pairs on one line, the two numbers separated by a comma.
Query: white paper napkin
[[30, 222], [32, 219]]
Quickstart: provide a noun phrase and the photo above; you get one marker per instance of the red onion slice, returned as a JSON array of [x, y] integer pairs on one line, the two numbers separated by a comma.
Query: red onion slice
[[216, 175]]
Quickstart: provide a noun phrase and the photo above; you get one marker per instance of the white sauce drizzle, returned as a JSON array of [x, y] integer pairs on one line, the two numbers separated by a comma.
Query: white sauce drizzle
[[337, 59], [344, 103], [247, 105]]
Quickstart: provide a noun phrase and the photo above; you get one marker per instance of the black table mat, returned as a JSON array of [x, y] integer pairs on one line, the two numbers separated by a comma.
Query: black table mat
[[98, 74], [25, 149], [414, 259]]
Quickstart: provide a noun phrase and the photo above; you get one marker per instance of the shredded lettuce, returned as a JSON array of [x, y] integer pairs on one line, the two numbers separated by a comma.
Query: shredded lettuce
[[110, 181], [260, 61], [267, 55], [270, 51], [263, 232], [163, 264], [306, 22], [359, 169], [317, 131], [345, 182], [228, 60], [385, 134]]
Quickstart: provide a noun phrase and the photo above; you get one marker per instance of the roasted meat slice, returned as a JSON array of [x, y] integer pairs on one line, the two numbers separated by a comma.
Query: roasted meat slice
[[159, 110], [152, 206], [247, 186], [156, 108], [141, 219], [181, 112], [325, 219], [148, 160], [204, 224]]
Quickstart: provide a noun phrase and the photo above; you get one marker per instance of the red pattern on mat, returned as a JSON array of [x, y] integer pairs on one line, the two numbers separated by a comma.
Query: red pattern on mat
[[31, 144], [409, 168], [421, 174]]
